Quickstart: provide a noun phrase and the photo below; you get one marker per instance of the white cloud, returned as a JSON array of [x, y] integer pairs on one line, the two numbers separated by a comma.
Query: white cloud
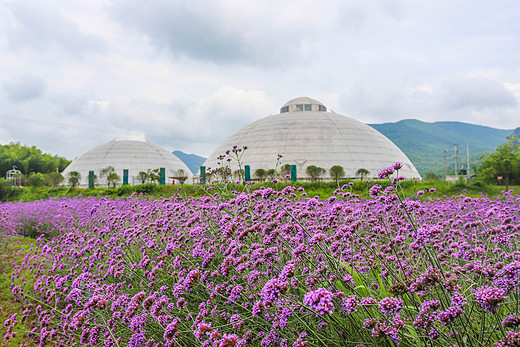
[[188, 74], [41, 26], [225, 32], [25, 88], [475, 93]]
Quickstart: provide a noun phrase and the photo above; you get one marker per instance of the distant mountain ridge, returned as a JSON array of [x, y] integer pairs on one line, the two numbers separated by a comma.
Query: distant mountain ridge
[[424, 143], [192, 161]]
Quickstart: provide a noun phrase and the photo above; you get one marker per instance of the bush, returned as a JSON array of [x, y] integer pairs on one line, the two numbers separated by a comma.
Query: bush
[[5, 189], [125, 190], [147, 188], [36, 180]]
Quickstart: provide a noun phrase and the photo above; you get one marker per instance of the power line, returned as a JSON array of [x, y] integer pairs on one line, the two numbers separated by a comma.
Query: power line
[[54, 124], [74, 126]]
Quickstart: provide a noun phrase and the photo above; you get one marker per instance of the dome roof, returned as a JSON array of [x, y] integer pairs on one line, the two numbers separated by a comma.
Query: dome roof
[[134, 156], [309, 135]]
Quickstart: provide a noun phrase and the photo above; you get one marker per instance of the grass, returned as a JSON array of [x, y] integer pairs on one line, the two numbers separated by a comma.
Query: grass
[[321, 189], [12, 252]]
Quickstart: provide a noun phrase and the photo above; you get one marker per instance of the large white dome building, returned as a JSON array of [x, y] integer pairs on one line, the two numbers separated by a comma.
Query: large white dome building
[[306, 133], [134, 156]]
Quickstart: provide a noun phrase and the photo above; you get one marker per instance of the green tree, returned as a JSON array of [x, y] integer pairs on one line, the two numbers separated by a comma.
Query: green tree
[[239, 175], [29, 160], [271, 174], [74, 178], [36, 180], [285, 170], [105, 172], [504, 163], [362, 173], [431, 176], [142, 177], [113, 179], [260, 174], [5, 189], [315, 172], [337, 172], [154, 175], [52, 179]]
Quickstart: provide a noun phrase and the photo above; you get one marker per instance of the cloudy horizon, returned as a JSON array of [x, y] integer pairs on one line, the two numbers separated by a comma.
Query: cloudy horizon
[[186, 75]]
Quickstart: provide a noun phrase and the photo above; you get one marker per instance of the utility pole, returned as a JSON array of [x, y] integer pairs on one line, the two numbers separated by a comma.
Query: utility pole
[[456, 152], [445, 170], [467, 158]]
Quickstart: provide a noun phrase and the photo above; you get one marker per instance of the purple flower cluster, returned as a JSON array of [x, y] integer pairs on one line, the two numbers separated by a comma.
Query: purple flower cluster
[[248, 268], [273, 289], [391, 305], [319, 300], [490, 298]]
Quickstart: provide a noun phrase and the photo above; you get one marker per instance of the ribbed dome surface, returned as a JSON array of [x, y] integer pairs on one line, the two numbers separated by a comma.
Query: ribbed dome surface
[[134, 156], [316, 138]]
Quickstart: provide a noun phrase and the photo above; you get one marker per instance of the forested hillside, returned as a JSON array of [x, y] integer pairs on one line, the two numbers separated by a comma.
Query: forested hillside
[[29, 160], [425, 143]]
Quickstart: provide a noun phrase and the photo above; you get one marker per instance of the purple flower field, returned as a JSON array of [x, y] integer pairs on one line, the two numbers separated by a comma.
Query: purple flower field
[[269, 269]]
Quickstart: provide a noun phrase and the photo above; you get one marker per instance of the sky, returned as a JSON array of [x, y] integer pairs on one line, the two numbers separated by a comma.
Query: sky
[[185, 75]]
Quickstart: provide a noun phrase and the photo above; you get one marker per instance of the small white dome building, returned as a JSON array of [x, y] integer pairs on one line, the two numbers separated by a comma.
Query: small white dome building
[[134, 156], [305, 133]]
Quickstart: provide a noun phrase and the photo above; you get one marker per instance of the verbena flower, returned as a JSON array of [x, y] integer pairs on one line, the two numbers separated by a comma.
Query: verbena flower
[[273, 289], [490, 298], [511, 321], [390, 305], [319, 300]]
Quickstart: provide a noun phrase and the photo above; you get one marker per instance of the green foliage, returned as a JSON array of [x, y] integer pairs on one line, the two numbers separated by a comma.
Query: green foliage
[[337, 172], [431, 176], [105, 172], [321, 189], [52, 179], [154, 175], [271, 174], [74, 178], [504, 162], [113, 179], [315, 172], [147, 188], [142, 177], [362, 173], [424, 142], [36, 180], [12, 253], [5, 189], [260, 174], [285, 170], [29, 160]]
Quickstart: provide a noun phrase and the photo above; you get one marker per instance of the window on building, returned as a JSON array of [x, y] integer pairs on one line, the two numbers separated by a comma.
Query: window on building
[[322, 108], [308, 108], [284, 109], [299, 107]]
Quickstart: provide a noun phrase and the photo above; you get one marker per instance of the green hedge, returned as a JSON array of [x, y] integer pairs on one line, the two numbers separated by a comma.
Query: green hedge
[[320, 189]]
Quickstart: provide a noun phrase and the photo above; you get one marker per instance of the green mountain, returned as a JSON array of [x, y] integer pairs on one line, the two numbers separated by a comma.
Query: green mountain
[[425, 143], [192, 161]]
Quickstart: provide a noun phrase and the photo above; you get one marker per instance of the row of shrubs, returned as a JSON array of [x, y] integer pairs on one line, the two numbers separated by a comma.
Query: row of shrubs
[[317, 188]]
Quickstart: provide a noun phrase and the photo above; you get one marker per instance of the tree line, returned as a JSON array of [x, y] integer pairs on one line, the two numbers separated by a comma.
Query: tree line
[[29, 160], [314, 173], [503, 165]]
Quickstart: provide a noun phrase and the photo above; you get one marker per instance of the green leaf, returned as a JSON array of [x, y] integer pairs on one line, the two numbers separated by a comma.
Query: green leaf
[[361, 286]]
